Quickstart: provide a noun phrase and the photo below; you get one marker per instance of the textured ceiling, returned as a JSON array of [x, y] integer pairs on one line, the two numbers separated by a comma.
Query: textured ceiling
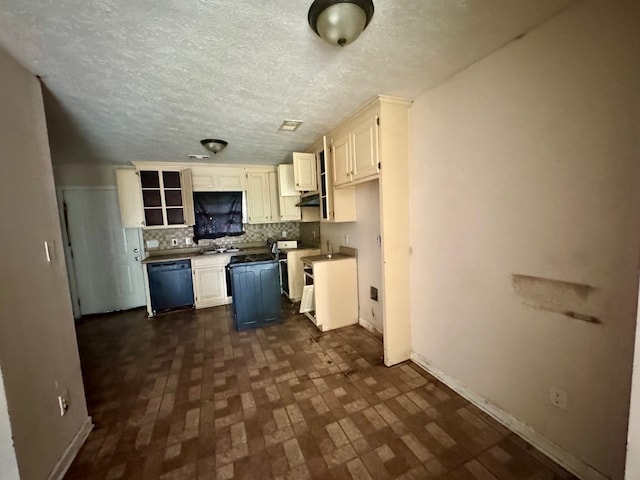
[[147, 79]]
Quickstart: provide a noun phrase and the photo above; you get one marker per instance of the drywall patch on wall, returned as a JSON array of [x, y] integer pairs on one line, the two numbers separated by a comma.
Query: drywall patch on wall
[[559, 296]]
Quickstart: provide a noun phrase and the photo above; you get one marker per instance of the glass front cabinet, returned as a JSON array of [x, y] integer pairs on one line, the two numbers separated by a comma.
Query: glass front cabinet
[[167, 198]]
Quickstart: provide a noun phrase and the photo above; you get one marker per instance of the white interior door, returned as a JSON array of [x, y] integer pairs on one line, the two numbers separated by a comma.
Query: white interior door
[[106, 256]]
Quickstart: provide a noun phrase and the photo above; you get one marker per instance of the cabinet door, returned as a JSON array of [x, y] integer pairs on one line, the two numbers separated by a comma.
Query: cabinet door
[[187, 197], [203, 178], [286, 181], [258, 197], [229, 179], [288, 210], [274, 198], [130, 198], [341, 158], [364, 137], [152, 201], [210, 286], [304, 168]]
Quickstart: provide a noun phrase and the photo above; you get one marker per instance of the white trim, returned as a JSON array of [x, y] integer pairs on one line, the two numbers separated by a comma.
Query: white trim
[[369, 327], [559, 455], [72, 450]]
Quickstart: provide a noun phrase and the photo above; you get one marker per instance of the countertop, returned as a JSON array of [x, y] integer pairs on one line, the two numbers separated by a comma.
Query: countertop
[[191, 253], [170, 256], [343, 253], [325, 258]]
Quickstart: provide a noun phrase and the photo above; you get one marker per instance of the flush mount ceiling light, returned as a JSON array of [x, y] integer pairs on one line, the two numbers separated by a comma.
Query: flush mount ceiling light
[[289, 125], [213, 144], [340, 22]]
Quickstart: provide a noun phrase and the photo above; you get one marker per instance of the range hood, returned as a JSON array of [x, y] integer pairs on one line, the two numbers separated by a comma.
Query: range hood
[[310, 201]]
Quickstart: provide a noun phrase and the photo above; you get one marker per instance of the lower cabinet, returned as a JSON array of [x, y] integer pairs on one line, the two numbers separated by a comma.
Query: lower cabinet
[[210, 280], [294, 272], [334, 286], [256, 294]]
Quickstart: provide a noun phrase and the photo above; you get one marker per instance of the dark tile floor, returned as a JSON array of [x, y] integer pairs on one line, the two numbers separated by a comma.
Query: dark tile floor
[[184, 396]]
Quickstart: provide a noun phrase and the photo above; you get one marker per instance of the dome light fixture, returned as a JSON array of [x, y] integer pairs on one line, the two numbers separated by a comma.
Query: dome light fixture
[[213, 144], [340, 22]]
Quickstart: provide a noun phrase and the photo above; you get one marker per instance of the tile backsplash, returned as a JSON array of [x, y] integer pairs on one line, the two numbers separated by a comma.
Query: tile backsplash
[[257, 233]]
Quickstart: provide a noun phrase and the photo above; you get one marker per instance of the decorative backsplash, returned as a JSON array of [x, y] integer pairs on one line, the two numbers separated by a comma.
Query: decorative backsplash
[[253, 234]]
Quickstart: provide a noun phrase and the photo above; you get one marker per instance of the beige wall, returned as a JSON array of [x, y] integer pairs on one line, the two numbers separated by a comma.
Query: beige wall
[[362, 235], [527, 163], [38, 351], [72, 175]]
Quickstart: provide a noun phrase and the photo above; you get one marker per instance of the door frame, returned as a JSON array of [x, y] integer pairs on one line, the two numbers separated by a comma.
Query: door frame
[[68, 253]]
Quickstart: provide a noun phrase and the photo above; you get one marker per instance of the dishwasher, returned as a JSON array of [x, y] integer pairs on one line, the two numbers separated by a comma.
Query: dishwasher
[[170, 285]]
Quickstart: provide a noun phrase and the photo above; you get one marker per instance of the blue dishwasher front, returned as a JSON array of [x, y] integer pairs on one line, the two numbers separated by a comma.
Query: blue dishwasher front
[[170, 285], [255, 288]]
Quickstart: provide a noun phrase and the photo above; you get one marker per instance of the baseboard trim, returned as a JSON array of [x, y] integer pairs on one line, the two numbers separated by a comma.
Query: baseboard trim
[[72, 450], [556, 453], [369, 327]]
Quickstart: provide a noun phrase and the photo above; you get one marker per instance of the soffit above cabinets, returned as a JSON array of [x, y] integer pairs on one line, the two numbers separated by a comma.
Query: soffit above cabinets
[[147, 80]]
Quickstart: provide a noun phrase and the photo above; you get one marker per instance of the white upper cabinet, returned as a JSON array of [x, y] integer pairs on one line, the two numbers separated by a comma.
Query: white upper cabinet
[[355, 150], [304, 165], [218, 178], [167, 197], [364, 160], [289, 196], [286, 181], [341, 157], [129, 197], [263, 204]]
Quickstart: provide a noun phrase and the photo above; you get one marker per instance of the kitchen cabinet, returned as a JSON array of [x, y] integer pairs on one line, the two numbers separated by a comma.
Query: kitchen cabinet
[[289, 212], [167, 198], [210, 281], [334, 283], [341, 159], [355, 149], [304, 168], [293, 276], [289, 197], [129, 198], [263, 205], [335, 205], [218, 178], [364, 137]]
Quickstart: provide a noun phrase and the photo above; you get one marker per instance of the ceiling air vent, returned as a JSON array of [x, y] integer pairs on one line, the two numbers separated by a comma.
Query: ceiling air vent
[[290, 125], [198, 157]]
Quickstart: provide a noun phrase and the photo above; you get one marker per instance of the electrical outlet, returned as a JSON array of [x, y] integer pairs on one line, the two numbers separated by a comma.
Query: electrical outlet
[[63, 403], [558, 398], [284, 234], [346, 239], [188, 241], [174, 242], [379, 240], [153, 244]]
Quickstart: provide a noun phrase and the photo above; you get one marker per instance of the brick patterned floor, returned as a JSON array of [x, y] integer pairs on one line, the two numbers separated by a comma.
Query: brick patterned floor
[[184, 396]]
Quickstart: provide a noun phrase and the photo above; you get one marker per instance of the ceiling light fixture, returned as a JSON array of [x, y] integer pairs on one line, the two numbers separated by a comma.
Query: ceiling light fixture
[[340, 22], [213, 144]]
